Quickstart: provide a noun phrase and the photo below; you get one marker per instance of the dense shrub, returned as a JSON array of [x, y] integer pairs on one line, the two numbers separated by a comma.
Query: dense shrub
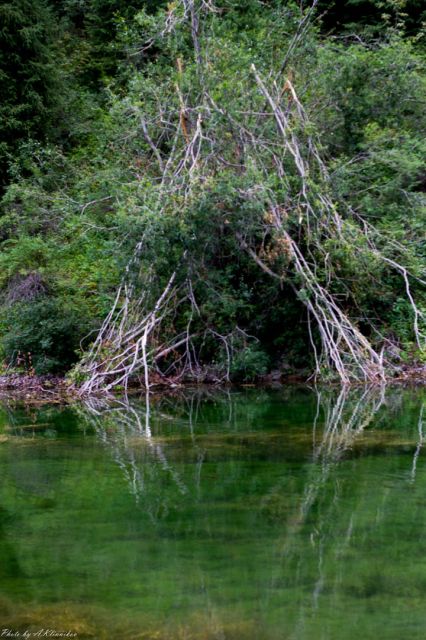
[[249, 364], [78, 206], [43, 334]]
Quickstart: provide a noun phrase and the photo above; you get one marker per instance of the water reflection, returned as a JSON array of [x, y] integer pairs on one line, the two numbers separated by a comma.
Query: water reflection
[[232, 516], [346, 416], [134, 430]]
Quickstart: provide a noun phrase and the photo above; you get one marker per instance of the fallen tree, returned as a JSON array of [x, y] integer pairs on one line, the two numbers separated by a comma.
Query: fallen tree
[[297, 230]]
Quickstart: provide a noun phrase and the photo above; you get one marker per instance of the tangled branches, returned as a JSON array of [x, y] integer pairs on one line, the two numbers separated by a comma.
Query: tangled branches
[[121, 347], [263, 136]]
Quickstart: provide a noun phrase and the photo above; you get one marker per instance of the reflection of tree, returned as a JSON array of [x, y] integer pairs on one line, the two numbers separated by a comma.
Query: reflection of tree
[[345, 416], [322, 515], [132, 429], [127, 432], [315, 514], [419, 444]]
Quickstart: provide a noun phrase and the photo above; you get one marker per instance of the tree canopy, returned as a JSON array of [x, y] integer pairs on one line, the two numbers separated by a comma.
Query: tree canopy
[[213, 191]]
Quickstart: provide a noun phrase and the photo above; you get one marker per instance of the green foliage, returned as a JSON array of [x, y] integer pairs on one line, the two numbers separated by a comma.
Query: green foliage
[[92, 35], [86, 182], [373, 16], [368, 88], [42, 334], [31, 85], [249, 364]]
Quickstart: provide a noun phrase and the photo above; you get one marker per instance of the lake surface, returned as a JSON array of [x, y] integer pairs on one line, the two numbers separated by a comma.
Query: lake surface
[[246, 515]]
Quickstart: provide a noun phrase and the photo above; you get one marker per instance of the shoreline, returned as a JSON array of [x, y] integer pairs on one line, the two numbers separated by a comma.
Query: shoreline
[[58, 390], [36, 389]]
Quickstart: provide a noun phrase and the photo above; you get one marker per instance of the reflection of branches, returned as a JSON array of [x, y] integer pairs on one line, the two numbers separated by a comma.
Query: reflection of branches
[[345, 418], [343, 427], [323, 522], [126, 427], [123, 428], [339, 420], [419, 444], [129, 429]]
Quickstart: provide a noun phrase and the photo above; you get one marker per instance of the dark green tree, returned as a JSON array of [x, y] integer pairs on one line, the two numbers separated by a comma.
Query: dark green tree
[[31, 87], [93, 28], [349, 16]]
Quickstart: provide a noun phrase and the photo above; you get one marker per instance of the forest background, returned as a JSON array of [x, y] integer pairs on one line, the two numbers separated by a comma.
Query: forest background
[[240, 182]]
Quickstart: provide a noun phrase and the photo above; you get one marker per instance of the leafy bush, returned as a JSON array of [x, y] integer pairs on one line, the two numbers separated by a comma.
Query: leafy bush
[[78, 207], [42, 334], [249, 364]]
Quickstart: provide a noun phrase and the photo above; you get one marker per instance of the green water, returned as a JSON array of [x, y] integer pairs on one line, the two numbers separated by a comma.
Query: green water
[[230, 516]]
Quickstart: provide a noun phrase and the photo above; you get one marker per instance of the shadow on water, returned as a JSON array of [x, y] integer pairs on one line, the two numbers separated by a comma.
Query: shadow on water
[[293, 514]]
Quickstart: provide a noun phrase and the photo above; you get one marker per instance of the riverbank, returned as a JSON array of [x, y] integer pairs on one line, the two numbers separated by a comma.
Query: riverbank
[[57, 389], [35, 389]]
